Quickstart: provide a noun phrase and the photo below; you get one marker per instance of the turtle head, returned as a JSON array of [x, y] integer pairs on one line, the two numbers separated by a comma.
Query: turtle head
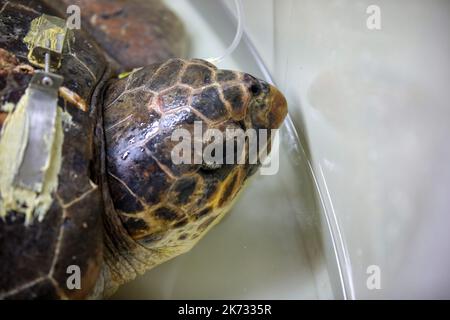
[[164, 188]]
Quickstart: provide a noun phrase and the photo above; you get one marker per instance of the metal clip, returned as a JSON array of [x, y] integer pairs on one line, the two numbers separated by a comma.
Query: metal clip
[[41, 112], [47, 35]]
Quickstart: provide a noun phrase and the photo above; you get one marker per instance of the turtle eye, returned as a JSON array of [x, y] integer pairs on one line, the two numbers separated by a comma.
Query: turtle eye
[[255, 89]]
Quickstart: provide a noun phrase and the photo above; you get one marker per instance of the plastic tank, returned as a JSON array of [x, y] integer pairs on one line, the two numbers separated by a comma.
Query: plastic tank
[[360, 206]]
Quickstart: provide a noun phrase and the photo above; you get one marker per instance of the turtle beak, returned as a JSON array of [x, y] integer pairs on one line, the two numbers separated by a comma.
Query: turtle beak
[[278, 107]]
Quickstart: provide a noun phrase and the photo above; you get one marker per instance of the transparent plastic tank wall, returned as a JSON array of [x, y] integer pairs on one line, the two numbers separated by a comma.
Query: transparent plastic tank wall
[[372, 109]]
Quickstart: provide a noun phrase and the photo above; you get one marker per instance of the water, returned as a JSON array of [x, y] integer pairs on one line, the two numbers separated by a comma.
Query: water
[[273, 243]]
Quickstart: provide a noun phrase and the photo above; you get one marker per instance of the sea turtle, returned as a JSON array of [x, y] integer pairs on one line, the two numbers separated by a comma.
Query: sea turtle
[[116, 203]]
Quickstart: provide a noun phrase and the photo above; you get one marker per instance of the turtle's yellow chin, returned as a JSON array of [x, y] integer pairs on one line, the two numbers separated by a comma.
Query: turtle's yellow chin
[[277, 108]]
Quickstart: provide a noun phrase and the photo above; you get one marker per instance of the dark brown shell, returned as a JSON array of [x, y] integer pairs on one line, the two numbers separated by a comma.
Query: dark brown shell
[[133, 33], [34, 258]]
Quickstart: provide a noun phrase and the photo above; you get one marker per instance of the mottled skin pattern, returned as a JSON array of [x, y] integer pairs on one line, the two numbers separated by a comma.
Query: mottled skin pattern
[[166, 208], [116, 156]]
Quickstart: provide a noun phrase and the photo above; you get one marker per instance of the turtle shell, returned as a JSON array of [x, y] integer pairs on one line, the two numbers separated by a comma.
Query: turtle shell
[[35, 256]]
